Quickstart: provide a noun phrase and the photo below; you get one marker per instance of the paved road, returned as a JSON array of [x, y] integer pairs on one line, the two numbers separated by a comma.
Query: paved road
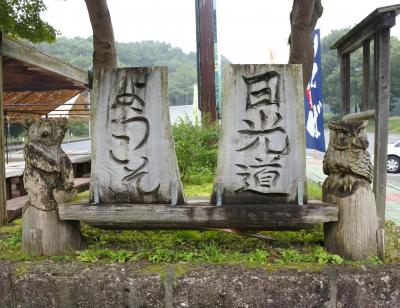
[[392, 178]]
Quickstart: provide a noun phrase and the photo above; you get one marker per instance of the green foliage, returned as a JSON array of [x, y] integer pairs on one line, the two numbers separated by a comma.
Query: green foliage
[[79, 128], [16, 131], [196, 150], [330, 71], [182, 67], [77, 51], [21, 18], [317, 254]]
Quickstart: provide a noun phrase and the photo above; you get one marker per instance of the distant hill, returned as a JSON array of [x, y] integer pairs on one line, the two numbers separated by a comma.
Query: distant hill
[[181, 66]]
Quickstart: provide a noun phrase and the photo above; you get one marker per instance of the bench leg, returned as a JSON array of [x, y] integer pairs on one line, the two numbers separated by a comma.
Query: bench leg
[[8, 189], [21, 187]]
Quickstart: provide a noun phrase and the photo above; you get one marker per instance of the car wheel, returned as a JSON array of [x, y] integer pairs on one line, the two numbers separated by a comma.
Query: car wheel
[[393, 164]]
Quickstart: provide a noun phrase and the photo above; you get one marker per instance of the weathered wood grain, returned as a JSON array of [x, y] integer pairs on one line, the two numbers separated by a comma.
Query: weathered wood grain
[[382, 92], [49, 180], [201, 215], [205, 60], [261, 156], [3, 197], [44, 234], [133, 153], [359, 116], [366, 77], [345, 84], [354, 235]]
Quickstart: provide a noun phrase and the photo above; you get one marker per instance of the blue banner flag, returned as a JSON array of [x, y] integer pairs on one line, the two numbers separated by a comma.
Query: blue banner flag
[[315, 138]]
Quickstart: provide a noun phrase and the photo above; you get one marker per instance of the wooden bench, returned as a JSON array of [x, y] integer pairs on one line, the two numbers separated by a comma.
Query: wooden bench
[[15, 206], [195, 214]]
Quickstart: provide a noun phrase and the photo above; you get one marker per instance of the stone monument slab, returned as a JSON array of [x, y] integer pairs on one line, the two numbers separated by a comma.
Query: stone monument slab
[[261, 155], [133, 157]]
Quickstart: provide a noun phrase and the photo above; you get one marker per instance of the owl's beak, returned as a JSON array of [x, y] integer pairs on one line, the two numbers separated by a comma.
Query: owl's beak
[[364, 143]]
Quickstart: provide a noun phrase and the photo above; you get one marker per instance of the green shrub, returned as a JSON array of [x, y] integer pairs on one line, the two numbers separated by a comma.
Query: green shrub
[[79, 128], [196, 150]]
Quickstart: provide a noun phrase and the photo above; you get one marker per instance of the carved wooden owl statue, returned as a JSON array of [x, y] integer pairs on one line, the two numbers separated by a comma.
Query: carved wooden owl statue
[[347, 161]]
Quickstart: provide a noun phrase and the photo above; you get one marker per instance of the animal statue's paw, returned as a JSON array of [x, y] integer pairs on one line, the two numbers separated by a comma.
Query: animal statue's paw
[[343, 184], [64, 196]]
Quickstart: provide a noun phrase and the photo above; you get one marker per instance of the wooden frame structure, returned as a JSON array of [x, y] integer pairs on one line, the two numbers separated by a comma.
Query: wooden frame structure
[[32, 83], [375, 27]]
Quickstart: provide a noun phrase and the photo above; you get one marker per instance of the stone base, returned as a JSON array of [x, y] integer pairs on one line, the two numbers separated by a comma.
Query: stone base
[[76, 284]]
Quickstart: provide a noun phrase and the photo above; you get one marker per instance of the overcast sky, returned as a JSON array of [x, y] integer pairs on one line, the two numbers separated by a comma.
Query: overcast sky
[[249, 31]]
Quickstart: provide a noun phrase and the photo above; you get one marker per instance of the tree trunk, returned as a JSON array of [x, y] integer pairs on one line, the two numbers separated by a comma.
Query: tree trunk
[[354, 235], [104, 54], [303, 19]]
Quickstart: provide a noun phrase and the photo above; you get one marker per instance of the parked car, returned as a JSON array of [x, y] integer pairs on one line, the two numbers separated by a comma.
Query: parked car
[[393, 162]]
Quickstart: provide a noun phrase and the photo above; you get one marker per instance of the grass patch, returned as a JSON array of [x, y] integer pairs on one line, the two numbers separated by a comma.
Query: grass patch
[[81, 197], [203, 190], [393, 125], [302, 249], [314, 190]]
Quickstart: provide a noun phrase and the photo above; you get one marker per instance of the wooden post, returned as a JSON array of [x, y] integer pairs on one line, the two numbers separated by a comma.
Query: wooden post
[[345, 83], [3, 202], [349, 171], [382, 91], [205, 60], [366, 71]]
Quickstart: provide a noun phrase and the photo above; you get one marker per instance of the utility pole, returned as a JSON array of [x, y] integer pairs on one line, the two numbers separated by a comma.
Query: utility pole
[[205, 60]]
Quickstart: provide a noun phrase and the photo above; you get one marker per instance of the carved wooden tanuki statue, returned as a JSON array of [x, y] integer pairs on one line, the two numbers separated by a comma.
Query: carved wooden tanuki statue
[[348, 166], [49, 180]]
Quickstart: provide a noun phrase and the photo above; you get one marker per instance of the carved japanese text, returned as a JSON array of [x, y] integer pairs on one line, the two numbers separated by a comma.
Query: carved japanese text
[[263, 137]]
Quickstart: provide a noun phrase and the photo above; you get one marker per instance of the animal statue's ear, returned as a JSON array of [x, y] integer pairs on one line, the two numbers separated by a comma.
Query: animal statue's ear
[[364, 124], [333, 125], [63, 122], [28, 122]]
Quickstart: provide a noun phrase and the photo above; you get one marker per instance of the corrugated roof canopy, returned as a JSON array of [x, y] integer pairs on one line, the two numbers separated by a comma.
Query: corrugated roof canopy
[[35, 83]]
